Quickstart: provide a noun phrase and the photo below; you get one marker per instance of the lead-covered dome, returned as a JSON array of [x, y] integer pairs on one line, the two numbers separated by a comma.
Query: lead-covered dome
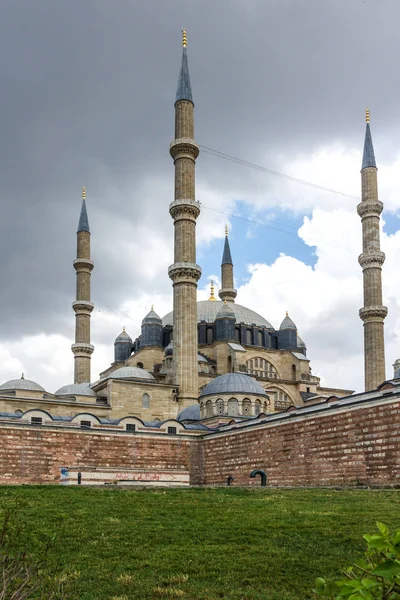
[[76, 389], [207, 311], [190, 413], [22, 384], [130, 373], [123, 337], [233, 383]]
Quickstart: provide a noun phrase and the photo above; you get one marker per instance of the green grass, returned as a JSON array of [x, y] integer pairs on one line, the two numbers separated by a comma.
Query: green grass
[[200, 543]]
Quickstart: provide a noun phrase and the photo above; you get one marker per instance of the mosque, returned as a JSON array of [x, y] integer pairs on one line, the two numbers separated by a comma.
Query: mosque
[[205, 363]]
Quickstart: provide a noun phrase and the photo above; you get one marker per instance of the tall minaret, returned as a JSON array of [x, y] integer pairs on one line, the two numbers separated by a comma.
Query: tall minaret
[[82, 349], [371, 261], [227, 291], [185, 273]]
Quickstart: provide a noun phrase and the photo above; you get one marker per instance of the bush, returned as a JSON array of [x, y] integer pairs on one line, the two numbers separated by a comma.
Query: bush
[[375, 576]]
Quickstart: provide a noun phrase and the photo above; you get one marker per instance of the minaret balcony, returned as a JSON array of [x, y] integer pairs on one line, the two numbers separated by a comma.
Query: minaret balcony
[[184, 209], [184, 272], [369, 208], [372, 260], [83, 264], [80, 349], [371, 314], [184, 148], [82, 307]]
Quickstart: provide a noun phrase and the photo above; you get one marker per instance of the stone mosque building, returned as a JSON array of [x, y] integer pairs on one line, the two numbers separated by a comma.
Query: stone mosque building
[[205, 363]]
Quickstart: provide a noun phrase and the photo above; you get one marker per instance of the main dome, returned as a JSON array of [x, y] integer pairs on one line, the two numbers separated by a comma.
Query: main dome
[[207, 311]]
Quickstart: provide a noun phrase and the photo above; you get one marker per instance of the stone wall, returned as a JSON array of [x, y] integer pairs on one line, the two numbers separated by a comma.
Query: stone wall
[[358, 445]]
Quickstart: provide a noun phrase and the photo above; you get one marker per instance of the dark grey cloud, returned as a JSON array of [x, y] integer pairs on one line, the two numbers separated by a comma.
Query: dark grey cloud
[[87, 98]]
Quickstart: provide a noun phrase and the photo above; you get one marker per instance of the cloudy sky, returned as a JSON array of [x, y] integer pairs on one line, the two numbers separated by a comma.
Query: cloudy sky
[[87, 97]]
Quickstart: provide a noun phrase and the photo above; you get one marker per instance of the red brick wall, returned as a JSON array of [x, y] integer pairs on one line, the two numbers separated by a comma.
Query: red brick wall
[[35, 455], [358, 446], [361, 445]]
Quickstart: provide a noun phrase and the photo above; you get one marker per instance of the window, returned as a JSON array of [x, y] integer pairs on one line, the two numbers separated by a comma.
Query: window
[[145, 401], [294, 374], [139, 365], [220, 407], [172, 430], [86, 423], [130, 427], [209, 409], [261, 368], [308, 390], [36, 420], [257, 407], [260, 338], [209, 335], [249, 337], [233, 407], [246, 407]]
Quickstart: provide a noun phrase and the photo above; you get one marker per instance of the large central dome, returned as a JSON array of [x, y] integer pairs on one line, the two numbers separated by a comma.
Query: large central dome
[[207, 311]]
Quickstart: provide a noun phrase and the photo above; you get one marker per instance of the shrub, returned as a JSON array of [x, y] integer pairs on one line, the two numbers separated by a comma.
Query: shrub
[[375, 576]]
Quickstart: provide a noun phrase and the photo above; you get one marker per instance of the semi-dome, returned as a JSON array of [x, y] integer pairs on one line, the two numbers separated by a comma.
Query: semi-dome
[[76, 389], [190, 413], [22, 384], [233, 383], [287, 323], [123, 337], [207, 311], [300, 342], [130, 373]]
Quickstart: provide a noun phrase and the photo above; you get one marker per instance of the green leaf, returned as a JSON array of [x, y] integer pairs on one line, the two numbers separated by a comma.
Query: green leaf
[[396, 538], [376, 541], [320, 582], [382, 528], [389, 568]]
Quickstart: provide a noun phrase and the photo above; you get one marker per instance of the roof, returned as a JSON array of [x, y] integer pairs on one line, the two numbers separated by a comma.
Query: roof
[[76, 389], [225, 312], [123, 337], [233, 383], [287, 323], [184, 90], [300, 343], [22, 384], [236, 347], [207, 311], [300, 356], [369, 154], [227, 257], [130, 373], [152, 317], [83, 224], [190, 413]]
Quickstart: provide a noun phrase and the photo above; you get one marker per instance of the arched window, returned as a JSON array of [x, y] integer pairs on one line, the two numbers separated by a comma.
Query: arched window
[[139, 365], [233, 407], [237, 334], [209, 409], [210, 335], [145, 401], [266, 406], [261, 368], [294, 376], [260, 338], [249, 337], [246, 407], [220, 407], [257, 407]]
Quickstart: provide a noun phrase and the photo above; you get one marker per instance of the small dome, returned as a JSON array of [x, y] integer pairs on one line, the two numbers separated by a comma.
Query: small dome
[[287, 323], [225, 312], [22, 384], [152, 317], [130, 373], [190, 413], [169, 350], [123, 337], [76, 389], [233, 383]]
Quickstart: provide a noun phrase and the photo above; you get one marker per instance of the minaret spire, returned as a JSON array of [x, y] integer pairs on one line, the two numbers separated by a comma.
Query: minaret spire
[[82, 348], [227, 291], [185, 273], [371, 260]]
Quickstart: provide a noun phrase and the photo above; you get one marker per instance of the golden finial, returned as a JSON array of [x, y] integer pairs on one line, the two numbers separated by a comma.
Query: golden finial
[[22, 376], [84, 192], [212, 297], [226, 229], [123, 329], [152, 307], [367, 115], [287, 313], [184, 38]]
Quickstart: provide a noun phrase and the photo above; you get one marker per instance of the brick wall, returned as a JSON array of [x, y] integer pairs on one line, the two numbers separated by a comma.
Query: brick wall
[[361, 445], [35, 454], [335, 446]]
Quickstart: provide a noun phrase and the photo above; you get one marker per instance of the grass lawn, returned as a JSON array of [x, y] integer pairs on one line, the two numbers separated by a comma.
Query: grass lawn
[[200, 543]]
